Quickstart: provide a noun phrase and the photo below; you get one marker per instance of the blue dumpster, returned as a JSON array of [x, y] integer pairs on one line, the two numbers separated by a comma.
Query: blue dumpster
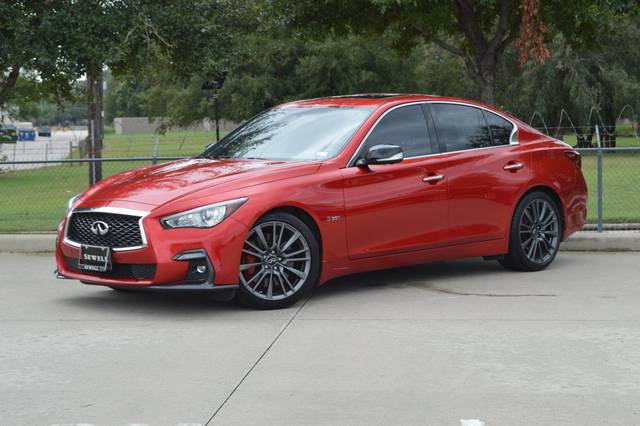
[[26, 135]]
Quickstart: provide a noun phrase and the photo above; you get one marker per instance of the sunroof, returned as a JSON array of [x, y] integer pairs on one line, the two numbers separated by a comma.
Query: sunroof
[[370, 95]]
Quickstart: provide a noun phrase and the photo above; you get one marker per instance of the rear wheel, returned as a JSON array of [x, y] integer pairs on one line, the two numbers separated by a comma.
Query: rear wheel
[[280, 262], [535, 234]]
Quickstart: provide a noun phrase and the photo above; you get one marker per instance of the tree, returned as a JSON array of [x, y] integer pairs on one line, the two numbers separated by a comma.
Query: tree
[[30, 49], [477, 31]]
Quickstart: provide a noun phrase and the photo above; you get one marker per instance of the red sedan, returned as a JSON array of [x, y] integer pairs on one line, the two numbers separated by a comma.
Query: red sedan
[[311, 190]]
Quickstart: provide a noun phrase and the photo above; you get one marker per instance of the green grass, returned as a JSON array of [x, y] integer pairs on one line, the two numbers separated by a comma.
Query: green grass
[[171, 144], [35, 200], [620, 142]]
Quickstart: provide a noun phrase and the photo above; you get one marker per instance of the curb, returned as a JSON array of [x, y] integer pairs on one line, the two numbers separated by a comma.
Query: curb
[[603, 241], [580, 241], [28, 243]]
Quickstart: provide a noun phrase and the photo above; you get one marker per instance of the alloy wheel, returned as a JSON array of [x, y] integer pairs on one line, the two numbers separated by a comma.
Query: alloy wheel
[[276, 260], [539, 231]]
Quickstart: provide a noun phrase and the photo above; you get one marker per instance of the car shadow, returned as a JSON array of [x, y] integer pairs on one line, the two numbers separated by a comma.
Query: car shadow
[[174, 303], [429, 276]]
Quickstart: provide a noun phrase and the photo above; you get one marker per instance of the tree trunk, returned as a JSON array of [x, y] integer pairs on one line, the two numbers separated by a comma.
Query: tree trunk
[[96, 123], [7, 85], [488, 86]]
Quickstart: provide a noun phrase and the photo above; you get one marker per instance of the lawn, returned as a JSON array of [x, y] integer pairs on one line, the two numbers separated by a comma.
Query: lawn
[[35, 200]]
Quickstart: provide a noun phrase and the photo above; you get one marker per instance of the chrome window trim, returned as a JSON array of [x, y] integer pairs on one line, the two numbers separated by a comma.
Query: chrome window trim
[[113, 210], [513, 140]]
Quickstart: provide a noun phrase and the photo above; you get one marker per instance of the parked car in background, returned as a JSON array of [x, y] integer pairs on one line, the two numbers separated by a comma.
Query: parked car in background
[[44, 132], [315, 189]]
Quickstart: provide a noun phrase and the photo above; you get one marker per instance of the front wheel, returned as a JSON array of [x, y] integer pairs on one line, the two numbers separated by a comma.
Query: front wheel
[[535, 234], [280, 262]]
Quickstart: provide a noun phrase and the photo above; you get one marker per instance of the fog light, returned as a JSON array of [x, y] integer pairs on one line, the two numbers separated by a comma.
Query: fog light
[[198, 270]]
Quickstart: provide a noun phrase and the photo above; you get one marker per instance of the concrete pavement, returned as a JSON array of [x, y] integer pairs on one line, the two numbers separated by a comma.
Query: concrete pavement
[[424, 345]]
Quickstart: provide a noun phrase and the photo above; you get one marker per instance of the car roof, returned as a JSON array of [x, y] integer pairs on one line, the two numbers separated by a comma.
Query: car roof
[[380, 100]]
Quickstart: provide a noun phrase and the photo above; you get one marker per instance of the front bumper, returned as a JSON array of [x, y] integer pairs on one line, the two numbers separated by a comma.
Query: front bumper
[[162, 264]]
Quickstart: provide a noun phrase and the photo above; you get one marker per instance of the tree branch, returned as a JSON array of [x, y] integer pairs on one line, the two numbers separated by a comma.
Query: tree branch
[[449, 48], [503, 25]]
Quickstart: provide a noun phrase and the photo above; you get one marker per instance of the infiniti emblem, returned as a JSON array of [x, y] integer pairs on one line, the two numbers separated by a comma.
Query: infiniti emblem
[[99, 228]]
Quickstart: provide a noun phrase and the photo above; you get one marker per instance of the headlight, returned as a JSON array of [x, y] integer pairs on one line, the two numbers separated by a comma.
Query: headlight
[[72, 202], [203, 217]]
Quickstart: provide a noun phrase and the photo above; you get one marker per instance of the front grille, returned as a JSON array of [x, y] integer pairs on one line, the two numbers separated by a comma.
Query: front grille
[[118, 270], [124, 230]]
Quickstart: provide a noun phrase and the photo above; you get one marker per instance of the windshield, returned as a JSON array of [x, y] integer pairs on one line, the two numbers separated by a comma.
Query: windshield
[[292, 133]]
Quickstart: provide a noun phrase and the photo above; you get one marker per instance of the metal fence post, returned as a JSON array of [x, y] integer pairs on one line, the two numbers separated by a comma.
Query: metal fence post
[[155, 151], [599, 157]]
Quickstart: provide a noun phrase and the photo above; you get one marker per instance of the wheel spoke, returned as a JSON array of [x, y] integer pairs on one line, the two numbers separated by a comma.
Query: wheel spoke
[[296, 252], [253, 246], [291, 240], [527, 213], [532, 248], [298, 259], [279, 277], [261, 237], [295, 272], [542, 212], [274, 234], [284, 275], [270, 286], [252, 253], [280, 236], [258, 275], [246, 266]]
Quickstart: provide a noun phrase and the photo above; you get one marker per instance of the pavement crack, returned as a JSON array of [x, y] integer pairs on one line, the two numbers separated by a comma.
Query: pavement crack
[[257, 361], [462, 293]]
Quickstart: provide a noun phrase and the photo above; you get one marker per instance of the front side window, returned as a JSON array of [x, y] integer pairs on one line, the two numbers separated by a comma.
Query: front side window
[[460, 127], [499, 127], [292, 133], [405, 127]]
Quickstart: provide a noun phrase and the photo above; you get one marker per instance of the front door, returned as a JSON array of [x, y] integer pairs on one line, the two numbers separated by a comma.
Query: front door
[[397, 207]]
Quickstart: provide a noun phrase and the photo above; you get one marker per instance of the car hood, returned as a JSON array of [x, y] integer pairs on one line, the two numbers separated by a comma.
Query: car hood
[[157, 185]]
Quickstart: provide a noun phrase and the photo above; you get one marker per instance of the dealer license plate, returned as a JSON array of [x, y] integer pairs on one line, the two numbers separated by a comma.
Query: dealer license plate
[[94, 258]]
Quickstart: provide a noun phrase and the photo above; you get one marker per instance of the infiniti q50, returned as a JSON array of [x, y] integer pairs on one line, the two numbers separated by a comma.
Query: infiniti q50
[[315, 189]]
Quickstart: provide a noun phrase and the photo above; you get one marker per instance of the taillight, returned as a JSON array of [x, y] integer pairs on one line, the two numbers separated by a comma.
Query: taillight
[[575, 157]]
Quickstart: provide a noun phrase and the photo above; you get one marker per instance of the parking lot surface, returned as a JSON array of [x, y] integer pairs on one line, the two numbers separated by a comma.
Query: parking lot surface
[[425, 345]]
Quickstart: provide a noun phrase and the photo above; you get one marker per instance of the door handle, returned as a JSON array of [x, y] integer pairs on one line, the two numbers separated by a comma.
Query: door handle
[[513, 166], [432, 178]]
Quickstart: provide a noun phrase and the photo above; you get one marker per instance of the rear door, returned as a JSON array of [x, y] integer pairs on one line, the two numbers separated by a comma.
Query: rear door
[[486, 170], [397, 207]]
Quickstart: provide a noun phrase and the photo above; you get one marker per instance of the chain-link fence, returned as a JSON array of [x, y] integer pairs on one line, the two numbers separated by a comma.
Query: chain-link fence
[[34, 193]]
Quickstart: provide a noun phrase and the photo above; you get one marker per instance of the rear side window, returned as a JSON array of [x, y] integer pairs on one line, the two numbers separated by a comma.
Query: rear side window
[[405, 127], [460, 127], [499, 127]]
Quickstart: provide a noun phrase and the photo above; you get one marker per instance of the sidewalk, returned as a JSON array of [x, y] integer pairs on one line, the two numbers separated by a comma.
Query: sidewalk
[[582, 241]]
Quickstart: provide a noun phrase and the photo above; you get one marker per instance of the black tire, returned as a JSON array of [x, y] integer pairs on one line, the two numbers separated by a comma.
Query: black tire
[[533, 244], [278, 272]]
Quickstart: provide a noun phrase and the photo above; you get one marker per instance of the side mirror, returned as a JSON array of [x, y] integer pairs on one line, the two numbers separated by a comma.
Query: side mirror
[[381, 154]]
